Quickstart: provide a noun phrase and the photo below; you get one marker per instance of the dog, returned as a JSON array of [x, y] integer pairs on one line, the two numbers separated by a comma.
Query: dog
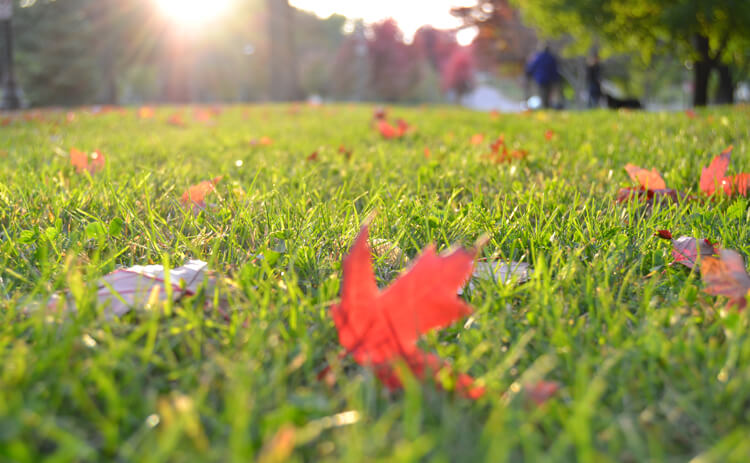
[[627, 103]]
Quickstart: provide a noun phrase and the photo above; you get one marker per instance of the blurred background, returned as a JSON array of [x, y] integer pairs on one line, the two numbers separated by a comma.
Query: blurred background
[[663, 53]]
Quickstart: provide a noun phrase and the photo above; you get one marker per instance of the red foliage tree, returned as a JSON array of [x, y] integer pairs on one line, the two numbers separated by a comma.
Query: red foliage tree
[[393, 70], [458, 71], [435, 45]]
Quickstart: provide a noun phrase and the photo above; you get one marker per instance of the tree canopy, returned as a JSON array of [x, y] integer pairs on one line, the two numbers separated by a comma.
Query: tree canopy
[[711, 34]]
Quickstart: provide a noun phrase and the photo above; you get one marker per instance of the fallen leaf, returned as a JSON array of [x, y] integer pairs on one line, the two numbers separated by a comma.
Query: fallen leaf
[[380, 328], [389, 252], [714, 180], [79, 160], [650, 196], [262, 141], [203, 115], [380, 114], [726, 276], [741, 183], [387, 130], [83, 162], [196, 194], [498, 143], [97, 161], [145, 112], [477, 139], [136, 286], [647, 179], [687, 250], [664, 234], [542, 391], [652, 188], [402, 126], [176, 119], [713, 176], [501, 154]]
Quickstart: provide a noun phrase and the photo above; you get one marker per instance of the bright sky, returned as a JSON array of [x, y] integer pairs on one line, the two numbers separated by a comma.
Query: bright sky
[[409, 14]]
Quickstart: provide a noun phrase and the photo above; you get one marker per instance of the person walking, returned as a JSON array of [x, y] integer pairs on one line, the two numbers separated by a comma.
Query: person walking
[[543, 69], [594, 79]]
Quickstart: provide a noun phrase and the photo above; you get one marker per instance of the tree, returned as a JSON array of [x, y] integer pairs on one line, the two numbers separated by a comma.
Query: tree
[[458, 72], [711, 34], [318, 41], [393, 67], [74, 51], [502, 37], [283, 58], [435, 45]]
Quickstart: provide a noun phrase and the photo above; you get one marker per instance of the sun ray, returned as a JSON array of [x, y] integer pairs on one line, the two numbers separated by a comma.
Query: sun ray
[[193, 12]]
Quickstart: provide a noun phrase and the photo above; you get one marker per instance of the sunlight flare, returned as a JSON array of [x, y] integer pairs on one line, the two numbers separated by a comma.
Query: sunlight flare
[[193, 12]]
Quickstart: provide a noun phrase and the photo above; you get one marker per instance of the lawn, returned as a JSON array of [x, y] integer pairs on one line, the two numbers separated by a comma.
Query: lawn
[[650, 367]]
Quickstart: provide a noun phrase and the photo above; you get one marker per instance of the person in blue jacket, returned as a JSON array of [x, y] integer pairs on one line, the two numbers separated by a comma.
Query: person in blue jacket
[[543, 69]]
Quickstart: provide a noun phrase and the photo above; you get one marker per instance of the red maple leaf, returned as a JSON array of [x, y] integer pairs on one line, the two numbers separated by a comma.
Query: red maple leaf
[[380, 328], [402, 126], [196, 194], [687, 250], [389, 131], [500, 153], [651, 187], [80, 161], [727, 276], [715, 181], [713, 178], [741, 183], [97, 161], [497, 144], [648, 179]]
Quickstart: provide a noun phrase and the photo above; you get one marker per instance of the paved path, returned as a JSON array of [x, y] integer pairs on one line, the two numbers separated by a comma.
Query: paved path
[[486, 98]]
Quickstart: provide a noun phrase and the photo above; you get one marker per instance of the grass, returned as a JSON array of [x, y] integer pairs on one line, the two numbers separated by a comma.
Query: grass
[[651, 368]]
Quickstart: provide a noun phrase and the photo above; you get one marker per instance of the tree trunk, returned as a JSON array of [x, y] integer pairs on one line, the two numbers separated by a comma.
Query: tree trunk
[[284, 85], [725, 92], [702, 71]]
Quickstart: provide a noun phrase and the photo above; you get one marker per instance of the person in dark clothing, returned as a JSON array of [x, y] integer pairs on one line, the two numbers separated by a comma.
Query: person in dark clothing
[[543, 69], [594, 80]]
